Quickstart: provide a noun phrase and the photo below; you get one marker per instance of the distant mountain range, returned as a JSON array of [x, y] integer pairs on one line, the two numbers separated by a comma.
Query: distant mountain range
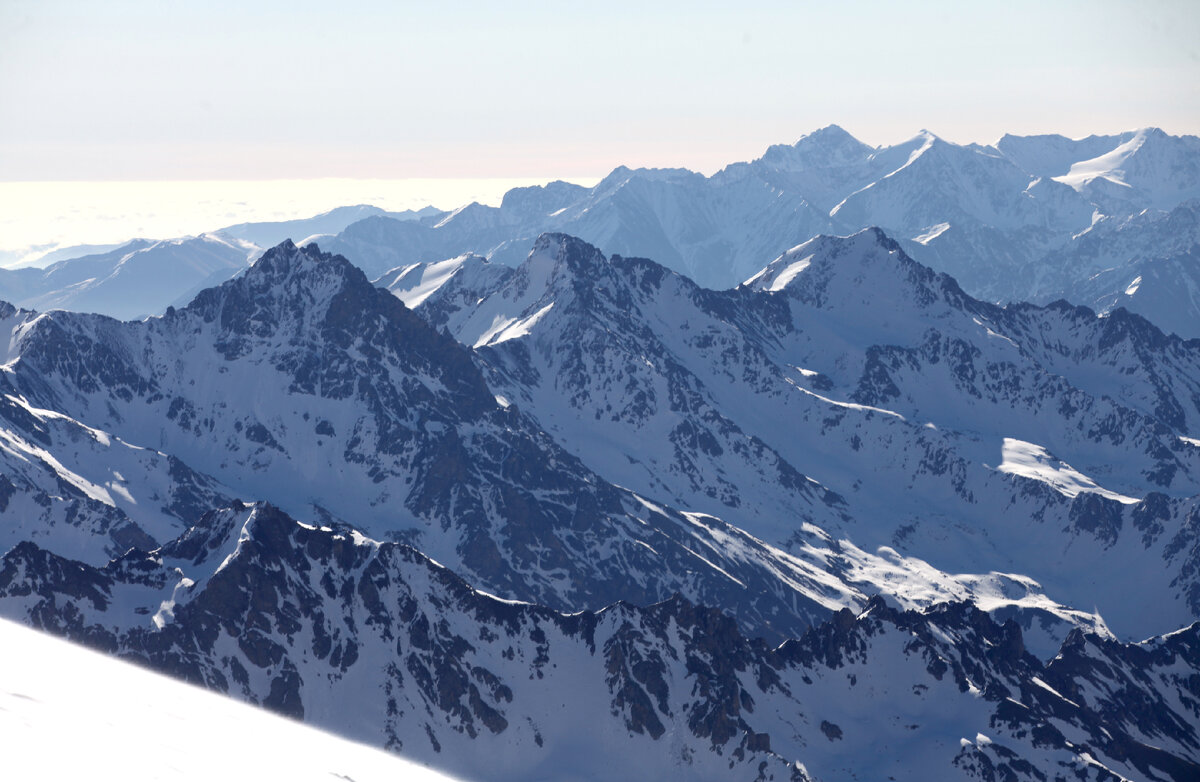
[[1105, 222]]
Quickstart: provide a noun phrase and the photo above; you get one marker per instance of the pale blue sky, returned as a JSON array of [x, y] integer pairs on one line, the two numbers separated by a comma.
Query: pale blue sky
[[165, 89]]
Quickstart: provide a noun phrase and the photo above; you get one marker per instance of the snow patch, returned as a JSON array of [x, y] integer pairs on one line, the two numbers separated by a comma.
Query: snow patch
[[787, 275], [1033, 461], [931, 233], [433, 277], [512, 329], [166, 610], [1108, 166]]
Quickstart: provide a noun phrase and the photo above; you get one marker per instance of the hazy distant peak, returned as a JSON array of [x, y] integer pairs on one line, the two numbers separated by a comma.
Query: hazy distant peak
[[623, 174], [541, 200], [828, 146], [472, 216]]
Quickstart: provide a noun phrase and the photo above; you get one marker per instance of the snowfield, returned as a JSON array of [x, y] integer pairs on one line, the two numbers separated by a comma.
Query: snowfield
[[68, 713]]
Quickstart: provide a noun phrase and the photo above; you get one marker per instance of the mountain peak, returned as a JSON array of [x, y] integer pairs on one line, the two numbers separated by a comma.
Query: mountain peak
[[830, 135], [560, 270], [542, 200], [825, 147], [286, 258], [284, 272], [302, 290], [622, 176], [560, 261], [868, 277], [869, 246], [569, 251]]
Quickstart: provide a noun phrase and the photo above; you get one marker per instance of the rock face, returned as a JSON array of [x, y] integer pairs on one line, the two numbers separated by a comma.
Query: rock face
[[849, 387], [320, 623]]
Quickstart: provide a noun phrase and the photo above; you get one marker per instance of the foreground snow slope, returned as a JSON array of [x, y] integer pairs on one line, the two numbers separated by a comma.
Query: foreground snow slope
[[70, 713]]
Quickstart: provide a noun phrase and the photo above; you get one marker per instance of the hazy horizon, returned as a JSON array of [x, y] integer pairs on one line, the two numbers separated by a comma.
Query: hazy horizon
[[38, 217], [135, 89]]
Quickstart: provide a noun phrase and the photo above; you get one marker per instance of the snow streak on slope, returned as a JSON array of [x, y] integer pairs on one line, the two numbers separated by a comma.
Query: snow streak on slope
[[426, 280], [67, 712], [1033, 461], [1106, 166]]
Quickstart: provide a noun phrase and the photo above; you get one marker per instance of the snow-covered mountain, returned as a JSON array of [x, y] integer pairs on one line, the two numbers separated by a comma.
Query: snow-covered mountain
[[1148, 263], [583, 517], [854, 389], [1148, 169], [135, 280], [324, 624], [1003, 220], [302, 383], [86, 493], [1014, 221]]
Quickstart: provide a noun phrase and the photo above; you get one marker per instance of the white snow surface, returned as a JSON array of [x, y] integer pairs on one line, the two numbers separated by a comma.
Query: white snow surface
[[414, 284], [67, 712], [1033, 461], [1107, 166], [934, 232]]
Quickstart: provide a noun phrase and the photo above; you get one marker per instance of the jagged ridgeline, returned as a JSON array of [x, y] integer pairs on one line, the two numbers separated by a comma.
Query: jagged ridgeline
[[583, 517], [322, 624]]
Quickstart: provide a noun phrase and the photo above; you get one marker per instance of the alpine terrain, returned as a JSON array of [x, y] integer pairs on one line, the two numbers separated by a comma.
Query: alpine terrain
[[844, 463]]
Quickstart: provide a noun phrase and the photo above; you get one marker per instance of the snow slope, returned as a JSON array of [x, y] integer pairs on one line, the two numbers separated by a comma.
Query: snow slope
[[67, 712]]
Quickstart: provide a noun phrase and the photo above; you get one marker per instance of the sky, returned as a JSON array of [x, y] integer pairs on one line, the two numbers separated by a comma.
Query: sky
[[256, 89]]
